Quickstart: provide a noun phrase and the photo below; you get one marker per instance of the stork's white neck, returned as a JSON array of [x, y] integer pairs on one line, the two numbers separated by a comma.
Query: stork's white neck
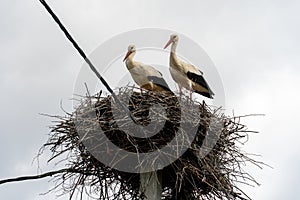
[[129, 61], [174, 61], [173, 47]]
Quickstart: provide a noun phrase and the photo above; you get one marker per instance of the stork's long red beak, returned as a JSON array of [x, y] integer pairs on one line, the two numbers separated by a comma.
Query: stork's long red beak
[[128, 53], [169, 42]]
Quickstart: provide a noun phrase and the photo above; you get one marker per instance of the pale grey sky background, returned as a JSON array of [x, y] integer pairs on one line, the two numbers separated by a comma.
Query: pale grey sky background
[[254, 45]]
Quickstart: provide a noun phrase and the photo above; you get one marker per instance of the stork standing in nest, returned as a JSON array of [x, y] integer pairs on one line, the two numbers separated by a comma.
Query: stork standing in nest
[[146, 76], [186, 75]]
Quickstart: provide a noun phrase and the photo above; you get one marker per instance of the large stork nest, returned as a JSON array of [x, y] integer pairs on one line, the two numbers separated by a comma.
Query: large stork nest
[[215, 175]]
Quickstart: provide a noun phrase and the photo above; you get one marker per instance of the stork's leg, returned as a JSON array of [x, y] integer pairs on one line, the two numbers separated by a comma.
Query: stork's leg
[[152, 86], [180, 90], [191, 91]]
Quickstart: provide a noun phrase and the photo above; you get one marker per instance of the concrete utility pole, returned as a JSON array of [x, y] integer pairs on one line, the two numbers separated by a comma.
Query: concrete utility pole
[[150, 185]]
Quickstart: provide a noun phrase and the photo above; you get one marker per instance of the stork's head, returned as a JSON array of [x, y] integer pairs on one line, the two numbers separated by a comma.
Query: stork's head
[[173, 39], [131, 49]]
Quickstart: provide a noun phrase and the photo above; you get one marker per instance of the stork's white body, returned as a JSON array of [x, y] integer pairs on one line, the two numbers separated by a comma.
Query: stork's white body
[[178, 70], [140, 73]]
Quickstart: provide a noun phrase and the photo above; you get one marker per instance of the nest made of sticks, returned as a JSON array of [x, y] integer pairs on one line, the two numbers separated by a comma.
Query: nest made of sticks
[[213, 176]]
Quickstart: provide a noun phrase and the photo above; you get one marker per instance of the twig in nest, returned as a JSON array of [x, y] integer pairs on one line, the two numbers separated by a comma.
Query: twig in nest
[[213, 176]]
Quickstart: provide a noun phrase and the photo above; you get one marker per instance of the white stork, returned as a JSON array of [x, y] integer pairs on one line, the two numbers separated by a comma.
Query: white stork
[[146, 76], [185, 74]]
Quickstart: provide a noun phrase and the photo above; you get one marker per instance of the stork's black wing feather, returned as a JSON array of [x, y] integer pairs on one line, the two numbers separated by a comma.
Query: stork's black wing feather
[[201, 81], [160, 82], [197, 79]]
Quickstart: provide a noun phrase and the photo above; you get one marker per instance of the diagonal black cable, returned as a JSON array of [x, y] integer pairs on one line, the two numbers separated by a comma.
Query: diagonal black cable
[[87, 60]]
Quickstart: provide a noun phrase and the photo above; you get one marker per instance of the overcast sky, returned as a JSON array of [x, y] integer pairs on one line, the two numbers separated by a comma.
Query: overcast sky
[[254, 45]]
